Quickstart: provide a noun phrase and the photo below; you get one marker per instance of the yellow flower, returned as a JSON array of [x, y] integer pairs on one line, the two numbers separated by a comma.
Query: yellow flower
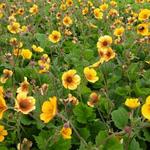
[[55, 36], [3, 133], [85, 11], [24, 103], [139, 1], [24, 87], [132, 103], [90, 74], [26, 54], [70, 79], [104, 42], [98, 14], [3, 106], [63, 7], [24, 29], [146, 109], [103, 7], [142, 29], [144, 14], [6, 75], [69, 2], [1, 91], [94, 97], [14, 27], [66, 132], [37, 48], [16, 51], [113, 3], [119, 31], [20, 11], [34, 9], [67, 21], [49, 109]]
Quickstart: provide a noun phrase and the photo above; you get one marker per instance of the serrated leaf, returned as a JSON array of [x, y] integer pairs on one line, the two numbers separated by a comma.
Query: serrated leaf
[[134, 145], [120, 117], [100, 138], [83, 113]]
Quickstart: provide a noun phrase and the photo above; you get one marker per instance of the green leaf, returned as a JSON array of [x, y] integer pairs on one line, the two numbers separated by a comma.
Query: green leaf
[[100, 138], [113, 144], [26, 120], [43, 39], [133, 71], [61, 144], [41, 139], [146, 134], [84, 132], [120, 117], [104, 105], [84, 113], [134, 145]]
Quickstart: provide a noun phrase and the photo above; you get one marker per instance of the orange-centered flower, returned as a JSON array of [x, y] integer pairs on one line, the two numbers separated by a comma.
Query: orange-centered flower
[[104, 42], [24, 103], [70, 79], [24, 86], [55, 37]]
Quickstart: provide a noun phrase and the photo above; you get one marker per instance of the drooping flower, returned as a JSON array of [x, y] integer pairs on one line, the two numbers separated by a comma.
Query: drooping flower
[[6, 75], [24, 87], [24, 104], [55, 36], [70, 79], [3, 133], [66, 132], [132, 103], [94, 97], [49, 109], [3, 106], [71, 99], [91, 74], [24, 145]]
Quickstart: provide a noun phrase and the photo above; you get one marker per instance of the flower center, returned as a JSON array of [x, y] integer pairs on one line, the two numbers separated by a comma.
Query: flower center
[[24, 104], [105, 43], [69, 79]]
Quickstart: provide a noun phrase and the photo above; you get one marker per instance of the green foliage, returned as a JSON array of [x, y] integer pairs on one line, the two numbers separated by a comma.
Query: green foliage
[[120, 117], [83, 113]]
